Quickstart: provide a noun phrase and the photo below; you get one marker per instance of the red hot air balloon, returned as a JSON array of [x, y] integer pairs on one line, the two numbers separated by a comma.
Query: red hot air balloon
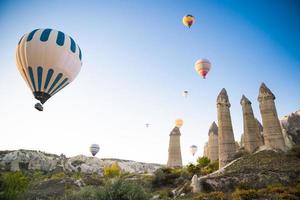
[[202, 67]]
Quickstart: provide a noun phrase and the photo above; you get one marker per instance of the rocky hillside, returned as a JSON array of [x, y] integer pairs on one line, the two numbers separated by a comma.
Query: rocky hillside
[[291, 128], [37, 160], [258, 170]]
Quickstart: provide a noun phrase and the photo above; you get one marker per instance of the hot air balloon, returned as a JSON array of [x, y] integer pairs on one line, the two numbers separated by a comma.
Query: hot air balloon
[[178, 123], [185, 93], [188, 20], [202, 66], [94, 149], [193, 149], [48, 60]]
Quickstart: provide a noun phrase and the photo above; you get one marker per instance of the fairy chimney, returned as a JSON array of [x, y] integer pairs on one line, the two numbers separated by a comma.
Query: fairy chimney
[[174, 158], [225, 132], [251, 129], [273, 137], [213, 144]]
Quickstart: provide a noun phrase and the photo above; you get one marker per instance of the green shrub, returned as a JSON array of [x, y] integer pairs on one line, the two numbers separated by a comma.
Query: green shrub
[[12, 184], [168, 176], [245, 194], [203, 161], [59, 175], [85, 193], [112, 171], [122, 190], [211, 196], [193, 169]]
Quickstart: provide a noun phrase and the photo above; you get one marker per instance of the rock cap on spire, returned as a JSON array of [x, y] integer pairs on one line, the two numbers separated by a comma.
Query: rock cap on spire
[[223, 98], [245, 100], [175, 131], [265, 93], [213, 129]]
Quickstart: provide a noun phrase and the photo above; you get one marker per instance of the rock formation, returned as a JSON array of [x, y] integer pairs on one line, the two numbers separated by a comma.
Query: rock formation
[[226, 138], [195, 184], [257, 170], [174, 158], [242, 140], [251, 134], [37, 160], [205, 150], [213, 144], [291, 129], [261, 132], [273, 137]]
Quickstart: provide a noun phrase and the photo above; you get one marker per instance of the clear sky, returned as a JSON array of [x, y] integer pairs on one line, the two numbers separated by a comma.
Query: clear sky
[[137, 60]]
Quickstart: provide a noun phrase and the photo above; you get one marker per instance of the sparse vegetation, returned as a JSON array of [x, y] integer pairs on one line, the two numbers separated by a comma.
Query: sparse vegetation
[[203, 166], [113, 189], [12, 185], [112, 171], [211, 196]]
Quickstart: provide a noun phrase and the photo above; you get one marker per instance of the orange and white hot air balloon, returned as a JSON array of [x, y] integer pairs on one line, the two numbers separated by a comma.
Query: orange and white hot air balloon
[[202, 67], [188, 20]]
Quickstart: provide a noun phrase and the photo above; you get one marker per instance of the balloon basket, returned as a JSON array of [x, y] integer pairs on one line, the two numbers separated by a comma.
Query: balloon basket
[[39, 107]]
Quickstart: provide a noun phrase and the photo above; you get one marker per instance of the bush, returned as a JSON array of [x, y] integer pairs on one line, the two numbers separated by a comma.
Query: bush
[[12, 184], [86, 193], [113, 189], [193, 169], [203, 161], [211, 196], [169, 177], [59, 175], [112, 171], [122, 190], [203, 167], [245, 194]]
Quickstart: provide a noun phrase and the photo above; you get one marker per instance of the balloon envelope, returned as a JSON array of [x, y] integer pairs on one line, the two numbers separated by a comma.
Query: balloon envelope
[[178, 123], [202, 67], [193, 149], [94, 149], [188, 20], [48, 60]]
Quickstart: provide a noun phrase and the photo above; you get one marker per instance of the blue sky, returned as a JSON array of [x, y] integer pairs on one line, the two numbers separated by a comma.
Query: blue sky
[[137, 60]]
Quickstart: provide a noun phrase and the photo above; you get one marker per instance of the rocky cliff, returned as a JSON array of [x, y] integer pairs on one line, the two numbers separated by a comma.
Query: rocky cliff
[[291, 129], [37, 160], [257, 170]]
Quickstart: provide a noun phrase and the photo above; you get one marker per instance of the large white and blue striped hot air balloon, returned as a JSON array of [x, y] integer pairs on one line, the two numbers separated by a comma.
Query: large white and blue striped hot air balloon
[[94, 149], [48, 60]]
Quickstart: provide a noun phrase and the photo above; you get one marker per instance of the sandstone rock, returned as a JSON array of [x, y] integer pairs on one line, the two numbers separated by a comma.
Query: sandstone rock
[[174, 157], [291, 129], [36, 160], [273, 136], [226, 140], [257, 170], [251, 129], [213, 144]]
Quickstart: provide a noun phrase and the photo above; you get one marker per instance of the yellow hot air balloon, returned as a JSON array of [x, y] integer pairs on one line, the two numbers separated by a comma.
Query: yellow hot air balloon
[[188, 20], [178, 123], [48, 60]]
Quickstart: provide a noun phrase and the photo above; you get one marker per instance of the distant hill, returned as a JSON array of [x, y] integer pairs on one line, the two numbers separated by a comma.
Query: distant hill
[[37, 160]]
